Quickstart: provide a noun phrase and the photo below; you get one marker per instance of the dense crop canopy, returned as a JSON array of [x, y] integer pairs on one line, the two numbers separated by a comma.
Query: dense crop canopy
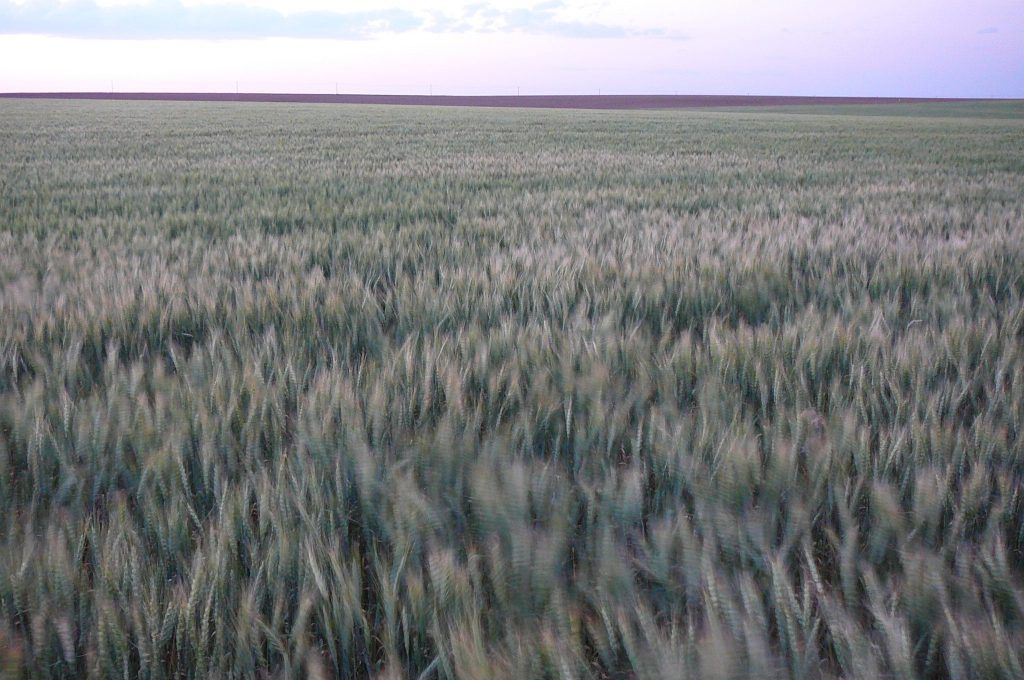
[[372, 392]]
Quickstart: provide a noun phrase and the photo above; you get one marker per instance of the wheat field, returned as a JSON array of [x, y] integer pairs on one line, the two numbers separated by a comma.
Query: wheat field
[[329, 391]]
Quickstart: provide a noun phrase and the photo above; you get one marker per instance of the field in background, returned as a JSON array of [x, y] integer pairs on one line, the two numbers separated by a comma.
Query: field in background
[[533, 101], [480, 393], [1008, 111]]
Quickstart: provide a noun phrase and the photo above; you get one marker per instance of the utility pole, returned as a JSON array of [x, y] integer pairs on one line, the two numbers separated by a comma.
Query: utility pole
[[335, 89]]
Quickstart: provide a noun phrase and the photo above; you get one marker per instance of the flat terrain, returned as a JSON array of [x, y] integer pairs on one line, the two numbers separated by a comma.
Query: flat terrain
[[1011, 109], [437, 392], [528, 101]]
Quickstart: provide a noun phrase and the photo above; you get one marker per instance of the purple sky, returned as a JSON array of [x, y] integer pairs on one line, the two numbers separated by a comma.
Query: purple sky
[[841, 47]]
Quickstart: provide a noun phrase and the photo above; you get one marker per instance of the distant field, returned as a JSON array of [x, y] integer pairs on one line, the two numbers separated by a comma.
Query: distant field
[[1001, 109], [439, 392], [526, 101]]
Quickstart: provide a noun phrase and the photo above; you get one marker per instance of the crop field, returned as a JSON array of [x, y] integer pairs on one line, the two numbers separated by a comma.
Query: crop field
[[348, 391], [600, 102]]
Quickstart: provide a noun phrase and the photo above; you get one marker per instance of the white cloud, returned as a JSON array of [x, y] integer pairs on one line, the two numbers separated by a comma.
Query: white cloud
[[166, 19]]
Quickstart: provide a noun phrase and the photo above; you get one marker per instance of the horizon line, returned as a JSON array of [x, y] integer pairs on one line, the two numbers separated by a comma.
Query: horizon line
[[578, 101]]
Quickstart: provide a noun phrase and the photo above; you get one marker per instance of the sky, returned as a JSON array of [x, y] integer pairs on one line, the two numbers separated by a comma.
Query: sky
[[941, 48]]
